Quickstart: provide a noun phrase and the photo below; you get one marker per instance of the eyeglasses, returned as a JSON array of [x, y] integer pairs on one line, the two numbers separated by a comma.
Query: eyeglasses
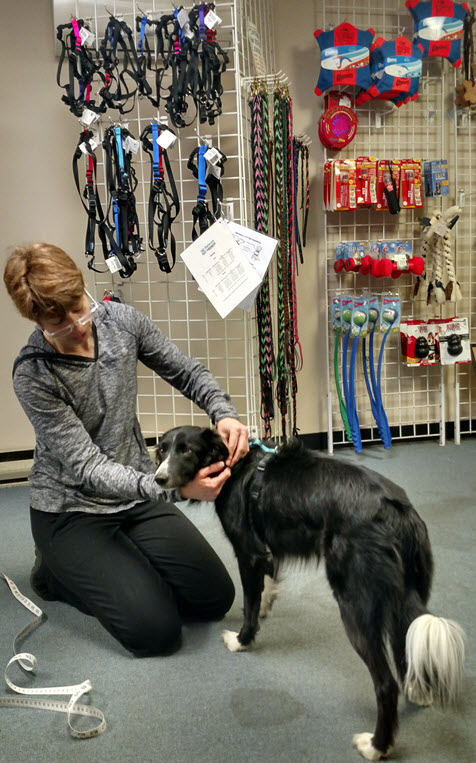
[[86, 318]]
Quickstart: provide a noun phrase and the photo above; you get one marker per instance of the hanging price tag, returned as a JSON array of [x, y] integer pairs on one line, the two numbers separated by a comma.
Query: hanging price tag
[[88, 117], [131, 145], [93, 144], [113, 263], [212, 156], [212, 21], [87, 37], [166, 139]]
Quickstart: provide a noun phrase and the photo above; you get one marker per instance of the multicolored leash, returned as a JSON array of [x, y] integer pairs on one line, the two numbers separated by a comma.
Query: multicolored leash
[[260, 151], [294, 347], [281, 235]]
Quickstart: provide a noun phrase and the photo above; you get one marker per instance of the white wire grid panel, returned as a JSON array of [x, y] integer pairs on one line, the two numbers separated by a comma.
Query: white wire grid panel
[[174, 302], [417, 401]]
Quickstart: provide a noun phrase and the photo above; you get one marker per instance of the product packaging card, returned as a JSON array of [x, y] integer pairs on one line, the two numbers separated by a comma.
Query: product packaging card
[[221, 268]]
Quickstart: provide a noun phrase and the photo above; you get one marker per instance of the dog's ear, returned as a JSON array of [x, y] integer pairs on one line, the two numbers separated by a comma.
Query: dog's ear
[[216, 448]]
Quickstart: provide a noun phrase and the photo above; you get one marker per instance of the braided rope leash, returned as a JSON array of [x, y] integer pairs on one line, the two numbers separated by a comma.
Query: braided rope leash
[[281, 230], [28, 662], [291, 267], [259, 139]]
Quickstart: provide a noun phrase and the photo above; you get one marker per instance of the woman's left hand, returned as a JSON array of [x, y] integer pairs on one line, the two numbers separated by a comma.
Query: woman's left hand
[[235, 436]]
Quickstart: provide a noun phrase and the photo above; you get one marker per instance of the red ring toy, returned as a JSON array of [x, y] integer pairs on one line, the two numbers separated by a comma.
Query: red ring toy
[[337, 127]]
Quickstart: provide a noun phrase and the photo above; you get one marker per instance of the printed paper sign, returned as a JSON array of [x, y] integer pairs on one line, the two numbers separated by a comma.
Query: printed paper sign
[[256, 49], [258, 249], [221, 268]]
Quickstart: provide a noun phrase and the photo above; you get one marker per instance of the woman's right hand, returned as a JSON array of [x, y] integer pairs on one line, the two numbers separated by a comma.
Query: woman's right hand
[[207, 483]]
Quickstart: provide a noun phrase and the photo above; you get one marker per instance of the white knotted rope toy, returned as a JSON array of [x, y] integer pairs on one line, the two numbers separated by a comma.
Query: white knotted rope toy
[[436, 244]]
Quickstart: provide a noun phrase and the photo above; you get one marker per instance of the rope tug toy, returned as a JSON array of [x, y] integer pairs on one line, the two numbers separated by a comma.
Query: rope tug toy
[[437, 245]]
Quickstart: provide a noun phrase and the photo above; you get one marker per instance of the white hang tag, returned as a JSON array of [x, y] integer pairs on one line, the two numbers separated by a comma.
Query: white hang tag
[[166, 139], [87, 37], [131, 145], [113, 263], [213, 170], [401, 261], [92, 145], [228, 210], [440, 228], [212, 156], [182, 17], [88, 117], [212, 21], [187, 31]]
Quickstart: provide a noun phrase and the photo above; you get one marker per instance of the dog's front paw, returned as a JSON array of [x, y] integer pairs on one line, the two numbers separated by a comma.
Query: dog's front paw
[[363, 742], [230, 639]]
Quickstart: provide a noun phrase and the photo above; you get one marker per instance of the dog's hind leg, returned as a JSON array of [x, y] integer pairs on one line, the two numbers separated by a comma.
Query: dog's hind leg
[[366, 601], [368, 643], [252, 572]]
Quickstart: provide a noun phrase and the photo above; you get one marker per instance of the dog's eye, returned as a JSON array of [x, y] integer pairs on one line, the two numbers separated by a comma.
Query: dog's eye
[[185, 450]]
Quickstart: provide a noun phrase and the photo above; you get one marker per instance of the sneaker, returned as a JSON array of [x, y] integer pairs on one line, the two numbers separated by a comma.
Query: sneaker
[[38, 578]]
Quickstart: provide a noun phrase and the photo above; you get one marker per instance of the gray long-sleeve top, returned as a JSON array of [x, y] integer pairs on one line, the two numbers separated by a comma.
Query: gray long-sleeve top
[[90, 454]]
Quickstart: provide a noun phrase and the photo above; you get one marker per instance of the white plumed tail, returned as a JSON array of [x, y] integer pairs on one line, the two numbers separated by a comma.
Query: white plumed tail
[[435, 655]]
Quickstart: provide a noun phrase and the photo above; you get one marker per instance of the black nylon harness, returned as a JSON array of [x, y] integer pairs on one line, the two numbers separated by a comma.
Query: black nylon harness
[[164, 204]]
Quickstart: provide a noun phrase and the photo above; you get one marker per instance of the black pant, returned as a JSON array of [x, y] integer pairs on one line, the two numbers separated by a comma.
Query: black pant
[[140, 571]]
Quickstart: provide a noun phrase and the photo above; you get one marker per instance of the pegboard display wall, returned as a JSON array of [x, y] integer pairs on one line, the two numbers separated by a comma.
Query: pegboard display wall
[[173, 301], [418, 401]]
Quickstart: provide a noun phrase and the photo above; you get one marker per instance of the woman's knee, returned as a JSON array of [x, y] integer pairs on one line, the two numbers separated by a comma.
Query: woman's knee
[[146, 637]]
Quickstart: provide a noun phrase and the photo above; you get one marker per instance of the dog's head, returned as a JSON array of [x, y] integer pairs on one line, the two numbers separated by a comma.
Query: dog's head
[[182, 451]]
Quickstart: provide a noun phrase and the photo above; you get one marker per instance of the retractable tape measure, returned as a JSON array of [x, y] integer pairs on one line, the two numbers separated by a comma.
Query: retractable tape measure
[[28, 662], [337, 126]]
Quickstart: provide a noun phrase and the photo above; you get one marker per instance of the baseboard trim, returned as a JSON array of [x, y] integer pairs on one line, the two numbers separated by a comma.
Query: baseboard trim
[[15, 466]]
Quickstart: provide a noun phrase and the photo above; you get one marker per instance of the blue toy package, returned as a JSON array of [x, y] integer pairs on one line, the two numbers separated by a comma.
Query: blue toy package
[[395, 68], [346, 313], [436, 178], [390, 313], [340, 252], [390, 248], [360, 317], [336, 313], [439, 27], [345, 54]]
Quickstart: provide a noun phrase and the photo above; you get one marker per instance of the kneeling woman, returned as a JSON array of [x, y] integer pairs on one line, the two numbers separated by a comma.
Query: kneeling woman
[[109, 540]]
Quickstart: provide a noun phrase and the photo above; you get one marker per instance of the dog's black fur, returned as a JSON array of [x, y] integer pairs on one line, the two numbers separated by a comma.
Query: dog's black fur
[[377, 555]]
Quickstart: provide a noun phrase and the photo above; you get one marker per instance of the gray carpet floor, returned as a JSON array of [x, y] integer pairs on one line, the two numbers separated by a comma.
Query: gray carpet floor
[[298, 695]]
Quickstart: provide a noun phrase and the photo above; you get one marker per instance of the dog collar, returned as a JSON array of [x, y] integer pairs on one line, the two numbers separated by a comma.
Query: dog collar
[[259, 444]]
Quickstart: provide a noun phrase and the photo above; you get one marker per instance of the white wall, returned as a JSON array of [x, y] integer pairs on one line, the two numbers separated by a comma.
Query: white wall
[[297, 56], [38, 197], [39, 200]]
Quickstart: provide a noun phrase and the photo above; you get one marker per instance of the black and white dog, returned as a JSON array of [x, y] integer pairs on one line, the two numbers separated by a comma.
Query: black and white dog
[[299, 503]]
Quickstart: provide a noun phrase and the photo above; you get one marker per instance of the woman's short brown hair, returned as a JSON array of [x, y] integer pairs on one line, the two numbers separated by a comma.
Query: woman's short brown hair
[[43, 281]]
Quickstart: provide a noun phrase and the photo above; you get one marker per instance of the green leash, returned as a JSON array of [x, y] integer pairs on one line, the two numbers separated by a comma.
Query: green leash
[[342, 406]]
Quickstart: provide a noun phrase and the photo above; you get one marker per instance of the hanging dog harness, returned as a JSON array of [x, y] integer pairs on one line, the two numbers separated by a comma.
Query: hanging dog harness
[[121, 183], [164, 204], [114, 75], [201, 213], [81, 67]]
